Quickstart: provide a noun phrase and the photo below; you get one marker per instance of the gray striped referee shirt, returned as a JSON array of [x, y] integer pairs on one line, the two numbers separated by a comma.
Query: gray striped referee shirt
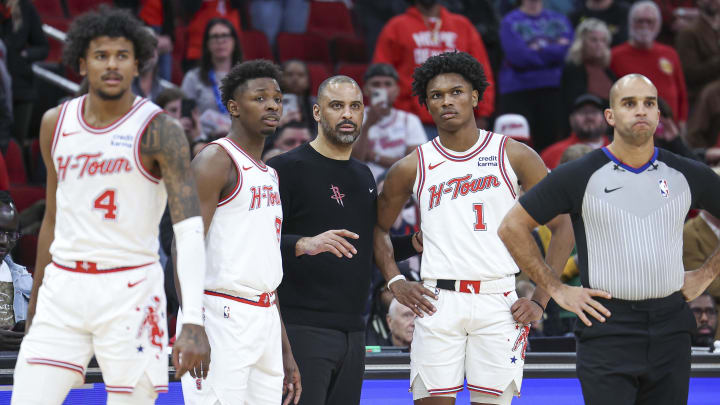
[[628, 222]]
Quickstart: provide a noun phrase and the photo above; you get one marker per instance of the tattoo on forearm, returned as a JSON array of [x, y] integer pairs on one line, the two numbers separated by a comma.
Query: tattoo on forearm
[[165, 140]]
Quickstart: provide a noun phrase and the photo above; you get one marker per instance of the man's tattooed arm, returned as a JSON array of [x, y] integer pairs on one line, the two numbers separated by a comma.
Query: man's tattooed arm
[[165, 143]]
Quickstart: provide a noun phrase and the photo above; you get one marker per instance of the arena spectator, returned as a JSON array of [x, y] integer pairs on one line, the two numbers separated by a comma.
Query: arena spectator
[[612, 12], [699, 49], [659, 63], [587, 65], [199, 14], [170, 100], [704, 308], [667, 134], [401, 321], [484, 16], [704, 123], [388, 134], [514, 126], [147, 83], [160, 16], [15, 281], [21, 31], [588, 126], [535, 42], [424, 30], [297, 101], [672, 12], [273, 16], [221, 50], [290, 136]]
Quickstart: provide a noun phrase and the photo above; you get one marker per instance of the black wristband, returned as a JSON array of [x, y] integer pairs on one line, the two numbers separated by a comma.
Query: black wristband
[[539, 304]]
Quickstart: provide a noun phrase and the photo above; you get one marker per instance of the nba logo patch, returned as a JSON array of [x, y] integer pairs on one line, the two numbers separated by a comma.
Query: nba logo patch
[[226, 312], [664, 189]]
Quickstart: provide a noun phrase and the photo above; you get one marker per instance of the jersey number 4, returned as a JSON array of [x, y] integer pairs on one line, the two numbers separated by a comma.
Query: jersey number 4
[[106, 202], [479, 219]]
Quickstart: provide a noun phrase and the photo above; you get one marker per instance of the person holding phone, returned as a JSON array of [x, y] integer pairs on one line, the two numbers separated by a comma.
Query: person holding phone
[[388, 134]]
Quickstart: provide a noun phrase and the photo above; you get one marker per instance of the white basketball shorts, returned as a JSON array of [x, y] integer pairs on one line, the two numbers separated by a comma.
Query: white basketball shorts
[[118, 316]]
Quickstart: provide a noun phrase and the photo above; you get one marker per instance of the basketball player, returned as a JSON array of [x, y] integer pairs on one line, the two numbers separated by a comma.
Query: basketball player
[[240, 201], [464, 181], [113, 160]]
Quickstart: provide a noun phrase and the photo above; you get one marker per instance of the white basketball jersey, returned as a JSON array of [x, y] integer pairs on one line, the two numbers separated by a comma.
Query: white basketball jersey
[[243, 241], [463, 197], [108, 205]]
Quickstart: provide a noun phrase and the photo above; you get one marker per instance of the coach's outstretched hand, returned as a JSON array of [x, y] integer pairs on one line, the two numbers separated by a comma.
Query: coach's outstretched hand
[[332, 241], [580, 300], [191, 352], [292, 386], [410, 294]]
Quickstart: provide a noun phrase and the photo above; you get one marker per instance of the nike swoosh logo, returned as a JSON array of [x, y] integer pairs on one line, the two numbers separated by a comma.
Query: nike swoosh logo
[[247, 168], [612, 189], [131, 285], [371, 189], [432, 167], [70, 133]]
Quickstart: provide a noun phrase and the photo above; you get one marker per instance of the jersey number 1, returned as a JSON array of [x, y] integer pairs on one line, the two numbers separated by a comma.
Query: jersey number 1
[[106, 202], [479, 219]]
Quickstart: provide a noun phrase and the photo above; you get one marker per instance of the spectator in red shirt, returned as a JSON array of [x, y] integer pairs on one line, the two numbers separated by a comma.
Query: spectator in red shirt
[[201, 12], [588, 126], [659, 63], [424, 30]]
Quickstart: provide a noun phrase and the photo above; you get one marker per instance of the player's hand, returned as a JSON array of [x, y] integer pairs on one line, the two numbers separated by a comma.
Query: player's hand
[[332, 241], [695, 283], [191, 352], [417, 242], [526, 311], [292, 386], [411, 294], [579, 300]]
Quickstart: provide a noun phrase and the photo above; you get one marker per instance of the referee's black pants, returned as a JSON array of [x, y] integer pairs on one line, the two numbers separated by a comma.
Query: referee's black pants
[[640, 355], [331, 364]]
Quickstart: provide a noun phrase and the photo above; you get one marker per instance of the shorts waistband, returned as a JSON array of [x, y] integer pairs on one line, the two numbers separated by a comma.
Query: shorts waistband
[[651, 304], [92, 267], [497, 286], [263, 300]]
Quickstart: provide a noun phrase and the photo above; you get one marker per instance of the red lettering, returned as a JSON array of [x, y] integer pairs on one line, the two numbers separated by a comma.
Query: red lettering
[[435, 194], [62, 167]]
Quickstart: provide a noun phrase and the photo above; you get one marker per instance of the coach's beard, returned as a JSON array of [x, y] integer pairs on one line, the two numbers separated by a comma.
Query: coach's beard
[[337, 137]]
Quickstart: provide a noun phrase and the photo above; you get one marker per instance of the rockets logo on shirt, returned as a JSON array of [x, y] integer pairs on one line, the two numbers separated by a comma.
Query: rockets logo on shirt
[[91, 165], [461, 186], [265, 192]]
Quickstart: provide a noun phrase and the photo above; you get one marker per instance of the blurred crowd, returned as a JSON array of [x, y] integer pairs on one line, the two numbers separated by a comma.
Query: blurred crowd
[[550, 65]]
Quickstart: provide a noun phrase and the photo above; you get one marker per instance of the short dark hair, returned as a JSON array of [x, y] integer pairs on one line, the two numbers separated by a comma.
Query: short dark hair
[[110, 22], [242, 72], [449, 62], [6, 198], [168, 95], [380, 69]]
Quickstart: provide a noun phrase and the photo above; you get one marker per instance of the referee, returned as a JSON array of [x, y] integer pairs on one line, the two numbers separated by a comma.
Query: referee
[[628, 202]]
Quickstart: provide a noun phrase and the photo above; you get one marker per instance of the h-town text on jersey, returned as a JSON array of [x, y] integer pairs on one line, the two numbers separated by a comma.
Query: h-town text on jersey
[[91, 164], [461, 186]]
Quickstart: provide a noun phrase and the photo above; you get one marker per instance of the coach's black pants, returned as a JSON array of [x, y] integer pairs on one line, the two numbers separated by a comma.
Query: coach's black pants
[[331, 363], [640, 355]]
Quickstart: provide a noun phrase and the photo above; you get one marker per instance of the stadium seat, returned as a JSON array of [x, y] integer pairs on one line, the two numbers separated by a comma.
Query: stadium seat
[[354, 70], [318, 73], [14, 162], [25, 196], [27, 251], [306, 47], [349, 50], [255, 45], [330, 19], [77, 7]]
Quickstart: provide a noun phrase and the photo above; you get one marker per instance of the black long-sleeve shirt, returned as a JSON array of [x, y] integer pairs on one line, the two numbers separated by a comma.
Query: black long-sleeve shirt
[[319, 194]]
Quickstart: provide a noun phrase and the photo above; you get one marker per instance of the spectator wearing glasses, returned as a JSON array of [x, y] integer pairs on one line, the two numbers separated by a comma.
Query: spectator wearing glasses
[[706, 314], [15, 281], [220, 51]]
